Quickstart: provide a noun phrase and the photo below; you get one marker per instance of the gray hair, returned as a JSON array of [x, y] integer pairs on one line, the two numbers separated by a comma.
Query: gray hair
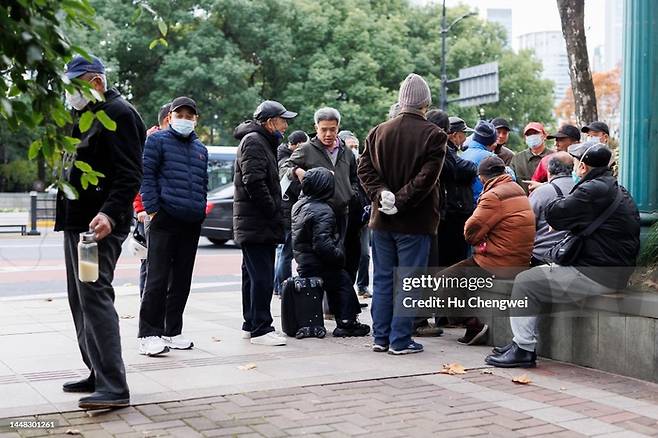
[[557, 167], [326, 113], [394, 110]]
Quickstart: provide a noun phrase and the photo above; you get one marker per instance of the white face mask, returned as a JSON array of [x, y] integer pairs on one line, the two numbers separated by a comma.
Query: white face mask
[[534, 141], [77, 100], [183, 126]]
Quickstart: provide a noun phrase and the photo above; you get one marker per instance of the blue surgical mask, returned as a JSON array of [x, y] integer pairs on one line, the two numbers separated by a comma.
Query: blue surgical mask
[[534, 141], [575, 177], [183, 126]]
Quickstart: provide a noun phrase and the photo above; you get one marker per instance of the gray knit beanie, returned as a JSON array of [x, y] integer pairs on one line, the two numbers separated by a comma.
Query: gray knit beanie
[[414, 92]]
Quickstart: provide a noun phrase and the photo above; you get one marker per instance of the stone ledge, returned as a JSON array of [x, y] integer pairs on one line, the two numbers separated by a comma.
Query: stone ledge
[[614, 332]]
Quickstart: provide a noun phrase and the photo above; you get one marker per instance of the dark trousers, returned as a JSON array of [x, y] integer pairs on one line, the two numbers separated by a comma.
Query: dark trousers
[[283, 269], [350, 234], [343, 302], [94, 316], [451, 245], [257, 279], [363, 276], [172, 246]]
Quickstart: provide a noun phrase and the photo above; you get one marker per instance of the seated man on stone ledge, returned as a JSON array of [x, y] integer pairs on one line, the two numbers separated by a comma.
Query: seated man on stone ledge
[[604, 263], [502, 232]]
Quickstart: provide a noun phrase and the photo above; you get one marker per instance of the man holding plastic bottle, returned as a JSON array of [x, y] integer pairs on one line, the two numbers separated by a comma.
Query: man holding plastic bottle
[[105, 209]]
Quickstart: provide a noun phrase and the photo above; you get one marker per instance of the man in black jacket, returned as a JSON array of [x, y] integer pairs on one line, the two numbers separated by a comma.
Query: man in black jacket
[[604, 262], [106, 210], [283, 268], [319, 253], [257, 216]]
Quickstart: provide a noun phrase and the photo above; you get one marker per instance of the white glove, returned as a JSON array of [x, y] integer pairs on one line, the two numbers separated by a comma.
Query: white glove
[[389, 211], [387, 199], [387, 202]]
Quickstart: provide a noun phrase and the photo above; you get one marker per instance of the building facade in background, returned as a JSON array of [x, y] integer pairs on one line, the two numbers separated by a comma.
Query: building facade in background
[[504, 18], [614, 20], [551, 49]]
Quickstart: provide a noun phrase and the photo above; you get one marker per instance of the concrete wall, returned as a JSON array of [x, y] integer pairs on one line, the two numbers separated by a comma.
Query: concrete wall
[[616, 333]]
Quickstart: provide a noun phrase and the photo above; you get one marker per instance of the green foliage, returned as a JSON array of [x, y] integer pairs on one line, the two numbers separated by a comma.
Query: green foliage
[[230, 54], [649, 252], [18, 175], [35, 48]]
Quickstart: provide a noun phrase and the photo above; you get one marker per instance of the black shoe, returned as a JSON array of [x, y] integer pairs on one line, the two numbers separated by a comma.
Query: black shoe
[[500, 350], [84, 385], [103, 400], [474, 335], [515, 357], [352, 328], [363, 305]]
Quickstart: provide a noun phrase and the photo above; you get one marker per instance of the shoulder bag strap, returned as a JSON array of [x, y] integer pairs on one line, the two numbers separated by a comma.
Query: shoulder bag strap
[[605, 215]]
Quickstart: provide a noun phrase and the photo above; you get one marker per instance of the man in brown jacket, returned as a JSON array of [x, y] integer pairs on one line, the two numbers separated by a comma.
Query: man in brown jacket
[[399, 170], [502, 230]]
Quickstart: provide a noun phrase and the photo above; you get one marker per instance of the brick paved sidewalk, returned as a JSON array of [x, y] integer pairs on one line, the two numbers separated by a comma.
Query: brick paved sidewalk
[[562, 401]]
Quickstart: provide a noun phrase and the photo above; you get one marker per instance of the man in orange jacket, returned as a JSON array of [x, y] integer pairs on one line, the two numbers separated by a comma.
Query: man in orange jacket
[[502, 232]]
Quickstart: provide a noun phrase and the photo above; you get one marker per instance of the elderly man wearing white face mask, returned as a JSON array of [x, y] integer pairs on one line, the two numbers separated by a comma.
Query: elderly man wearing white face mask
[[174, 195], [525, 162]]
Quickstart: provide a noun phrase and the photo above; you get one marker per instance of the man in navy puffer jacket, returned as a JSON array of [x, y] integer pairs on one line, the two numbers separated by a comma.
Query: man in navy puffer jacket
[[174, 195]]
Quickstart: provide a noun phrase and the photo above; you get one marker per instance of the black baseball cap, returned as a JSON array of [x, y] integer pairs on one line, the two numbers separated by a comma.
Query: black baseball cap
[[271, 108], [80, 65], [499, 122], [566, 131], [182, 101], [592, 153], [596, 126], [164, 110]]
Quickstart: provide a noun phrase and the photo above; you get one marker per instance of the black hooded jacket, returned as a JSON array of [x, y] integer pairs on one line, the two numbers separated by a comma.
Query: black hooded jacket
[[608, 254], [315, 242], [257, 215], [117, 155], [456, 180]]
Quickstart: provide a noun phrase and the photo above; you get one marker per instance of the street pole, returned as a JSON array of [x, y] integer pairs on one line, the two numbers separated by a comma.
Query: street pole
[[444, 77]]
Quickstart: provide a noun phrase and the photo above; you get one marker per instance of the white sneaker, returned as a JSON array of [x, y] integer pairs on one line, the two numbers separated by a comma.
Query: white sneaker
[[246, 334], [178, 342], [152, 346], [271, 338]]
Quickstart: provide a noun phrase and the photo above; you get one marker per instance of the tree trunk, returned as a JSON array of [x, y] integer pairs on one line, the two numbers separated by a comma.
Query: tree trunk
[[572, 15]]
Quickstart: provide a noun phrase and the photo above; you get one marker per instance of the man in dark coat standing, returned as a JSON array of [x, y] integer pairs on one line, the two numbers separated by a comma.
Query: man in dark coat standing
[[399, 170], [257, 216], [106, 210]]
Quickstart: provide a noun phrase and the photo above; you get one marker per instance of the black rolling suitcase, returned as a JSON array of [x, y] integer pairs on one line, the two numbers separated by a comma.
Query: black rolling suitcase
[[301, 307]]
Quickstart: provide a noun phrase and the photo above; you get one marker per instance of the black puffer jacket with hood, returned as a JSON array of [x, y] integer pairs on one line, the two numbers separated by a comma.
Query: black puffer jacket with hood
[[315, 241], [257, 214]]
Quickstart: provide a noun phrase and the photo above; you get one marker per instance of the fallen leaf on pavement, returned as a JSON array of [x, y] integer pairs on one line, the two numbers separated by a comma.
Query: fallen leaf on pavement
[[486, 372], [216, 339], [49, 299], [523, 379], [249, 366], [72, 432], [452, 369]]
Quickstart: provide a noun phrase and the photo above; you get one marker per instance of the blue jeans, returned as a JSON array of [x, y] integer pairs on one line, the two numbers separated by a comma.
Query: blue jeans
[[390, 251], [283, 267]]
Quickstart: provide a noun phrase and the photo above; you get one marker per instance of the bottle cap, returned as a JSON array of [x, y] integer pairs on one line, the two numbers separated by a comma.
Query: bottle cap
[[88, 237]]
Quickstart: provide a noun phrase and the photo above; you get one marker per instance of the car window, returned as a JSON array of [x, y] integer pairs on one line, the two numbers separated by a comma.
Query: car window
[[220, 171]]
